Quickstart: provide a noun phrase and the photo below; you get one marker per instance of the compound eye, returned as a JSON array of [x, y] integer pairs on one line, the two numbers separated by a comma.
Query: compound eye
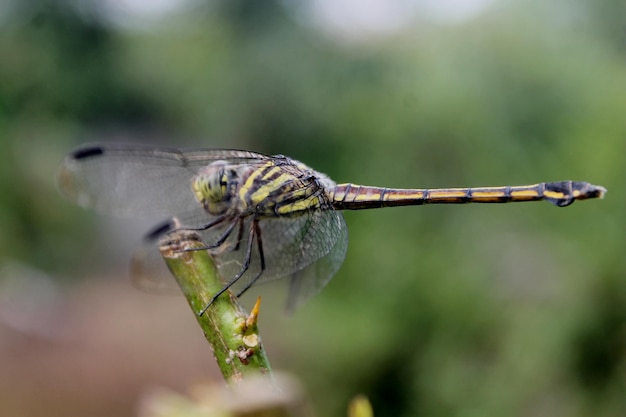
[[210, 188]]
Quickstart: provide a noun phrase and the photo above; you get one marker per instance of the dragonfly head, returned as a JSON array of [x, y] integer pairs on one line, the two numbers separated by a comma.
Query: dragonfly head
[[212, 187]]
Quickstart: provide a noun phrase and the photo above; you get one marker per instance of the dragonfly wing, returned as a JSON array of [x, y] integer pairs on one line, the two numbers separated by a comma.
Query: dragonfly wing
[[309, 249], [131, 180], [149, 271], [310, 280], [311, 246]]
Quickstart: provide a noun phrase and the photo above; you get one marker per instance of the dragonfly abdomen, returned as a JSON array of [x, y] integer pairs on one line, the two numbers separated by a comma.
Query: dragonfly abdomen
[[562, 193]]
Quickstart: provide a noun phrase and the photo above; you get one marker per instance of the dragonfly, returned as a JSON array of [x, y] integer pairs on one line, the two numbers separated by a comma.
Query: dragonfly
[[262, 217]]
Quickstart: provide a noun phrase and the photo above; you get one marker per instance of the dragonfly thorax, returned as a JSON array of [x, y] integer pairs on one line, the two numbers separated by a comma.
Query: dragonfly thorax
[[214, 187]]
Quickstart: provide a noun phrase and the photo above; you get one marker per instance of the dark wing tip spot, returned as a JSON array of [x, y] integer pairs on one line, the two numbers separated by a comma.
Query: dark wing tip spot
[[160, 230], [87, 152]]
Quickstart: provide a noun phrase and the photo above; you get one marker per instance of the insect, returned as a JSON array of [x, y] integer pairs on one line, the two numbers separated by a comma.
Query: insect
[[263, 217]]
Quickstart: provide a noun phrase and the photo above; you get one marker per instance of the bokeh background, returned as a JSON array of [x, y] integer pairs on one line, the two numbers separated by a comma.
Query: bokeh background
[[516, 310]]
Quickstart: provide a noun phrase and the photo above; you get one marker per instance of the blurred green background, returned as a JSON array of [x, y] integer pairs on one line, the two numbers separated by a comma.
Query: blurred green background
[[516, 310]]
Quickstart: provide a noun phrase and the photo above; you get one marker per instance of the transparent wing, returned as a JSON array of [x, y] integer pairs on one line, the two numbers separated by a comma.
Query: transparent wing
[[310, 280], [132, 180], [315, 242], [293, 243], [309, 249], [148, 270], [149, 273]]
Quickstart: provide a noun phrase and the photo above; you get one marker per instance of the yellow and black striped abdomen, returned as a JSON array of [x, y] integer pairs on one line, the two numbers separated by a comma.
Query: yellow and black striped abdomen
[[562, 193]]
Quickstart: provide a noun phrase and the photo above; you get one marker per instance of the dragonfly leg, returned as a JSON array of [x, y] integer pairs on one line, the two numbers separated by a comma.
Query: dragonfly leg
[[219, 241], [254, 227], [209, 224], [239, 235], [173, 225], [259, 242]]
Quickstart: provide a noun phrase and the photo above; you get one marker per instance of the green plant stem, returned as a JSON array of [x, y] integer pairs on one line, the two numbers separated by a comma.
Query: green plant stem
[[231, 332]]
